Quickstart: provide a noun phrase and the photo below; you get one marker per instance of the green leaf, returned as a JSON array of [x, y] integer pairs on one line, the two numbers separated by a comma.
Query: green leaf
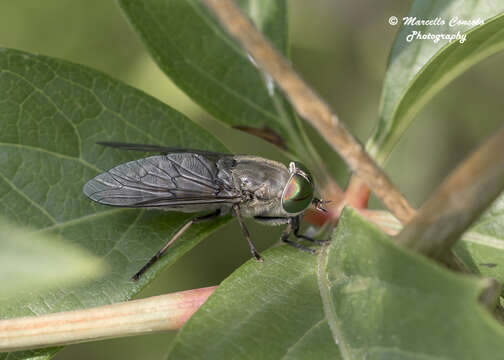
[[419, 69], [390, 303], [263, 310], [201, 58], [32, 263], [482, 248], [37, 354], [52, 114], [190, 46], [362, 292]]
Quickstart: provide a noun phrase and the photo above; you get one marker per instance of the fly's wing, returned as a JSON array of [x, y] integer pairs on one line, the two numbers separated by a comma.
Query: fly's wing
[[214, 156], [175, 181]]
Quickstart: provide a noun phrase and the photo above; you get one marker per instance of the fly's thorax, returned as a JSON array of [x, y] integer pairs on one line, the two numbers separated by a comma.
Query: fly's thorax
[[268, 188], [261, 183], [259, 177]]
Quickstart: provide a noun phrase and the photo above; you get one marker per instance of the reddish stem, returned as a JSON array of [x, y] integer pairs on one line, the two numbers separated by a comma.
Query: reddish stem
[[356, 195]]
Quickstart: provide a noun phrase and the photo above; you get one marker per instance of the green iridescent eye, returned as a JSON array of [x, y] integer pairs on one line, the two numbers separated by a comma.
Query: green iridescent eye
[[303, 168], [298, 193]]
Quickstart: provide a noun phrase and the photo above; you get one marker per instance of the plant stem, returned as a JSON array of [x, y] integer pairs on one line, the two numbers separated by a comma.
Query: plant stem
[[305, 150], [158, 313], [309, 105], [357, 193], [458, 202]]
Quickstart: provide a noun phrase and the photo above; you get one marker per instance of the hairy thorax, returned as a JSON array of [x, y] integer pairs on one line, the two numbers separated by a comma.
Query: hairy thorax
[[261, 183]]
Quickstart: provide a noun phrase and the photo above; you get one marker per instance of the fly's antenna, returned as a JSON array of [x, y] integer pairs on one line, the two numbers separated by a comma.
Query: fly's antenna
[[319, 204]]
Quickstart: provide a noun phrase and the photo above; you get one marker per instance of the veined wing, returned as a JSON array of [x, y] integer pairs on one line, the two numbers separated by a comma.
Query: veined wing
[[211, 155], [172, 180]]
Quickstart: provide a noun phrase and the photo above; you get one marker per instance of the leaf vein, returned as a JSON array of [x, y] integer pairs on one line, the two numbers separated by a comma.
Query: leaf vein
[[218, 82], [332, 318], [52, 153], [51, 101], [290, 348], [27, 198], [60, 225]]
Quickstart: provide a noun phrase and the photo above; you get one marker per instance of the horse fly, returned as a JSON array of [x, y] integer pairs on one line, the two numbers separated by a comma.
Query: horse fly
[[202, 181]]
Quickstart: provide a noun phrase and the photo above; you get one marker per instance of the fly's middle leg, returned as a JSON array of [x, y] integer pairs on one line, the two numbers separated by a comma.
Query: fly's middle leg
[[179, 233], [288, 230], [246, 233]]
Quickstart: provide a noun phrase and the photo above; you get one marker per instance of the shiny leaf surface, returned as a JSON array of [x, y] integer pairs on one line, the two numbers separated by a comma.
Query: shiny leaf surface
[[419, 69], [52, 114], [361, 297]]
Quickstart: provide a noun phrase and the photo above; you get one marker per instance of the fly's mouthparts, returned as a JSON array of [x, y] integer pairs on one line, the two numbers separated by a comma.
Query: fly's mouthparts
[[319, 204]]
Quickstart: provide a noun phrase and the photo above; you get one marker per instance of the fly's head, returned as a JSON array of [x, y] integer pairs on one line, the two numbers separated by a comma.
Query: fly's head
[[298, 192]]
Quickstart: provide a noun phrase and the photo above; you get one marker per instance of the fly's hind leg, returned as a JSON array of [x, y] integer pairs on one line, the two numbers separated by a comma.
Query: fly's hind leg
[[295, 226], [246, 233], [179, 233], [288, 230]]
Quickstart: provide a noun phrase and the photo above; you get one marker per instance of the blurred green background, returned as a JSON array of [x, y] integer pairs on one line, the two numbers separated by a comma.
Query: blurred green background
[[340, 48]]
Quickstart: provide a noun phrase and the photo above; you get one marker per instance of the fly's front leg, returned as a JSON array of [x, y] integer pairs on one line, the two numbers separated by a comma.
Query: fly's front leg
[[246, 233], [179, 233], [288, 230], [295, 225]]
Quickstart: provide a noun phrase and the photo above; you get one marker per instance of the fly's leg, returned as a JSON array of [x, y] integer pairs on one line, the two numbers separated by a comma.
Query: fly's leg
[[295, 225], [288, 230], [172, 240], [247, 234]]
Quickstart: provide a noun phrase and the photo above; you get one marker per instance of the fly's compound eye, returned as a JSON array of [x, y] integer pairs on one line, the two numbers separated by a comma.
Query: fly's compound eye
[[298, 193]]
